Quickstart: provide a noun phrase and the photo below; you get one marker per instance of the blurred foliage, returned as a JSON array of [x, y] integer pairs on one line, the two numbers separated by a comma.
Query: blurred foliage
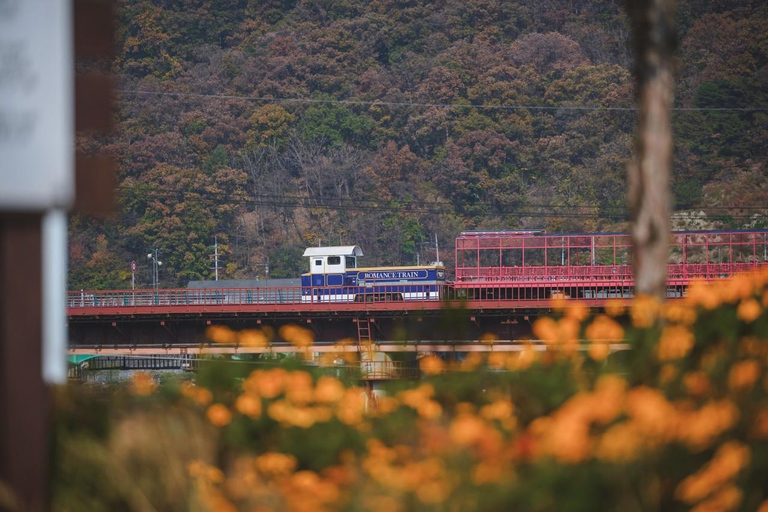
[[385, 110], [641, 406]]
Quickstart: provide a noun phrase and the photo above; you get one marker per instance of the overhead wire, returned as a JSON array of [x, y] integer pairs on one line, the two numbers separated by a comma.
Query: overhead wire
[[306, 100]]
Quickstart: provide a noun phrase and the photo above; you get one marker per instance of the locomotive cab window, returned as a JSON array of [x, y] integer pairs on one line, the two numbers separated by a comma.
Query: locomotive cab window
[[318, 262], [334, 260], [351, 262]]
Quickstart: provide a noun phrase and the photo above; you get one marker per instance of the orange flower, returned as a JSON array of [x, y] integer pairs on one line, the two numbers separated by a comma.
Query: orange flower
[[667, 373], [252, 338], [654, 415], [431, 365], [599, 350], [698, 429], [607, 399], [615, 307], [577, 311], [248, 405], [725, 499], [700, 293], [298, 387], [466, 430], [498, 410], [743, 375], [675, 343], [728, 461], [328, 390], [620, 443], [198, 394], [274, 463], [221, 334], [749, 310], [546, 330], [497, 360], [524, 359], [489, 337], [604, 328], [298, 336], [219, 415], [696, 383], [142, 384], [738, 287], [760, 426], [679, 312], [644, 311]]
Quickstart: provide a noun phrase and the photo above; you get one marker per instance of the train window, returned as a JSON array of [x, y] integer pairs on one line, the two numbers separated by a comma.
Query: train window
[[351, 262], [334, 260], [318, 262]]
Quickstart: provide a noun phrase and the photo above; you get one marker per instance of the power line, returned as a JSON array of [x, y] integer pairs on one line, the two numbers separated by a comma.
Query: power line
[[522, 211], [411, 104], [355, 202]]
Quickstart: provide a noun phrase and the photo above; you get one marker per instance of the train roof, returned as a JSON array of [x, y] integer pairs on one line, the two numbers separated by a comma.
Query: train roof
[[342, 250]]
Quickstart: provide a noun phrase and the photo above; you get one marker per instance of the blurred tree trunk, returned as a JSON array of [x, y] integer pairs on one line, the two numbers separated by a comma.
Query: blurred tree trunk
[[653, 34]]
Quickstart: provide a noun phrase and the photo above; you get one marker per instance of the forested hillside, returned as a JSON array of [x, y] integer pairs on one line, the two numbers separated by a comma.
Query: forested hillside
[[275, 125]]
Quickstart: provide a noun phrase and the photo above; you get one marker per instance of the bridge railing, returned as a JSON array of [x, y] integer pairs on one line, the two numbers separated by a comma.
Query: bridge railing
[[186, 297], [599, 273]]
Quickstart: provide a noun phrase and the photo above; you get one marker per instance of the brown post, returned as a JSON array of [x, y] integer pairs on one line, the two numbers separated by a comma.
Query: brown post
[[653, 32], [24, 399]]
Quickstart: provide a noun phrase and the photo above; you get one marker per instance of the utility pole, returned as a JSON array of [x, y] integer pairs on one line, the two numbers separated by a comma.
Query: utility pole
[[156, 263], [437, 250], [216, 256]]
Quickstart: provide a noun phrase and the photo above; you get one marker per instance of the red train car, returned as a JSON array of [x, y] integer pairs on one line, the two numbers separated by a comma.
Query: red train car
[[533, 264]]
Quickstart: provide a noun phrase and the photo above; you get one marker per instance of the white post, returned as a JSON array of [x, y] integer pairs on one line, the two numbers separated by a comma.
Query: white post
[[54, 232]]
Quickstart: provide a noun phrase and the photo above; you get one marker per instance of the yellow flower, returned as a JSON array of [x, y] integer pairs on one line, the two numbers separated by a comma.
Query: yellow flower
[[221, 334], [142, 384], [471, 362], [248, 405], [749, 310], [298, 336], [644, 311], [431, 365], [675, 343], [430, 410], [743, 375], [219, 415]]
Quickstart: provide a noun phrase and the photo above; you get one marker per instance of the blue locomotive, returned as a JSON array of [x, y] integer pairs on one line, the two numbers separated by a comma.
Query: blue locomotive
[[335, 277]]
